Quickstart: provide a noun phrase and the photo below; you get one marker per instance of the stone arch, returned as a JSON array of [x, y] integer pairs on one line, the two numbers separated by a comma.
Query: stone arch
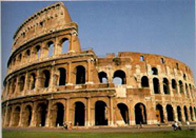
[[119, 77], [181, 86], [21, 83], [154, 71], [80, 75], [32, 81], [62, 76], [184, 76], [170, 113], [79, 117], [64, 44], [38, 51], [9, 113], [16, 116], [140, 114], [186, 114], [20, 57], [166, 86], [58, 114], [50, 47], [27, 116], [179, 113], [144, 81], [174, 85], [103, 77], [186, 89], [191, 112], [27, 54], [123, 113], [100, 113], [13, 86], [159, 113], [156, 86], [41, 114], [45, 78]]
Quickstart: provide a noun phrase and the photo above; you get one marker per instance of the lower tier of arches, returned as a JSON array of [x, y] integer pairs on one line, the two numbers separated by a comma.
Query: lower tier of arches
[[93, 111]]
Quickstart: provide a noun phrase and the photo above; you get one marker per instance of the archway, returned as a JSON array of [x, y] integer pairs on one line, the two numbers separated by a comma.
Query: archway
[[159, 113], [123, 112], [103, 77], [62, 76], [16, 116], [179, 113], [191, 112], [79, 114], [170, 113], [46, 77], [186, 113], [100, 113], [9, 116], [32, 81], [166, 86], [156, 86], [154, 71], [59, 108], [41, 114], [144, 81], [27, 115], [119, 77], [80, 75], [140, 114]]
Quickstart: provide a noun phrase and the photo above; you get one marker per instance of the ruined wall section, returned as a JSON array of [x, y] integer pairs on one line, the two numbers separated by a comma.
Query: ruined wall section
[[52, 18]]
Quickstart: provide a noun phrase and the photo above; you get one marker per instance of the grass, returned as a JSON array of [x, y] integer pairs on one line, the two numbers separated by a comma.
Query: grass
[[39, 134]]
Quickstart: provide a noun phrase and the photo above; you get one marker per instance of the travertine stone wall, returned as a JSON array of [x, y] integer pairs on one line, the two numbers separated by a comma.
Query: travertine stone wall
[[48, 86]]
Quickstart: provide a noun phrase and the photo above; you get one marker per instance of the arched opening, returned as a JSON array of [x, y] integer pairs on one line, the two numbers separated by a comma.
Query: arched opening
[[144, 81], [16, 116], [159, 113], [65, 45], [59, 109], [27, 55], [156, 86], [124, 113], [9, 115], [100, 113], [191, 112], [140, 114], [184, 76], [27, 115], [103, 77], [21, 82], [170, 113], [41, 114], [186, 113], [174, 85], [79, 114], [50, 48], [32, 81], [166, 86], [62, 76], [191, 92], [13, 86], [38, 53], [80, 75], [181, 87], [179, 113], [19, 57], [119, 77], [46, 78], [154, 71]]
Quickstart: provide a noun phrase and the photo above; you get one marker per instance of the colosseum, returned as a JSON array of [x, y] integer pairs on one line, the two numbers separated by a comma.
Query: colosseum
[[46, 86]]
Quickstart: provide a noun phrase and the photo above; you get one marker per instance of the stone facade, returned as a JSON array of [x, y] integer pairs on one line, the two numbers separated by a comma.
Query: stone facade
[[48, 86]]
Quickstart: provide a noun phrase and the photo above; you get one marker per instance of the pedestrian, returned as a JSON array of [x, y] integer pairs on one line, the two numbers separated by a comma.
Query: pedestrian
[[158, 123], [188, 124]]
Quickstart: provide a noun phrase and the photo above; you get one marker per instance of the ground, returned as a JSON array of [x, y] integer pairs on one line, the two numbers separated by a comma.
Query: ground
[[146, 132]]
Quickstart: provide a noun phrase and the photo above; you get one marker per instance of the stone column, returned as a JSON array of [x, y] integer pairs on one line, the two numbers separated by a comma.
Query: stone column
[[34, 117], [111, 123], [132, 116], [170, 88], [21, 115], [26, 83], [70, 81], [67, 110], [88, 123], [5, 122], [16, 87], [165, 114], [49, 115], [161, 86], [89, 74], [52, 80], [175, 113], [38, 81], [151, 87]]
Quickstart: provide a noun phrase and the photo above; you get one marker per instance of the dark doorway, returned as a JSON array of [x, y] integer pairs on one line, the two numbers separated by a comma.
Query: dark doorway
[[103, 77], [100, 116], [79, 114], [28, 115], [179, 113], [41, 114], [170, 113], [156, 86], [80, 75], [16, 116], [140, 114], [159, 113], [124, 112], [60, 114], [145, 81], [185, 113], [62, 76], [119, 77]]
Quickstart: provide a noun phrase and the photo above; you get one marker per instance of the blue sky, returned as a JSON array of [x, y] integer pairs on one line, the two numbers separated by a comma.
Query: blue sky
[[164, 27]]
